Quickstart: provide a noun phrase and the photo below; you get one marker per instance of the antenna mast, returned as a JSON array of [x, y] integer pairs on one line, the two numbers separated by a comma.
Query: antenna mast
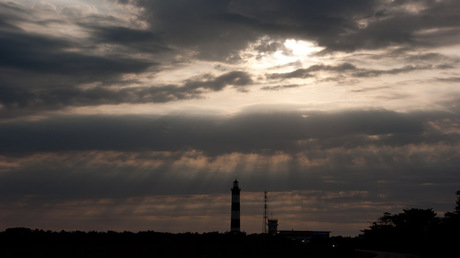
[[265, 212]]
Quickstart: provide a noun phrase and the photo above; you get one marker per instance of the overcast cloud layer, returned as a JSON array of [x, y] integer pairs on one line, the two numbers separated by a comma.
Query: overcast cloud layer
[[138, 115]]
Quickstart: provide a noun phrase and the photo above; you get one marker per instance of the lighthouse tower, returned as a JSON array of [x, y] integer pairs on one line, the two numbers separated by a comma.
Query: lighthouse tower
[[235, 219]]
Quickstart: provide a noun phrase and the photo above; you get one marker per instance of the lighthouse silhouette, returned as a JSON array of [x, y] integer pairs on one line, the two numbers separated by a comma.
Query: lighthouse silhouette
[[235, 219]]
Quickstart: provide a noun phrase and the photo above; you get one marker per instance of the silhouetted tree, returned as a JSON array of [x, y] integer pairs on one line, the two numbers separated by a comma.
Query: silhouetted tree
[[405, 231], [457, 207], [454, 217], [416, 230], [449, 232]]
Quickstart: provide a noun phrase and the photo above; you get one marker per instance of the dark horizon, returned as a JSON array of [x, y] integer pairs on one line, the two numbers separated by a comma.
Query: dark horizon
[[411, 233]]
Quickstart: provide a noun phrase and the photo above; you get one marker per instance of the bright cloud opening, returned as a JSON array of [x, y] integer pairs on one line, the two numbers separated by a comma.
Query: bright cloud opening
[[279, 55], [301, 47]]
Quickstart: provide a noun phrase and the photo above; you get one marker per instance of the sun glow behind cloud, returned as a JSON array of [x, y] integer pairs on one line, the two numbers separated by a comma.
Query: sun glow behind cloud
[[278, 55], [301, 47]]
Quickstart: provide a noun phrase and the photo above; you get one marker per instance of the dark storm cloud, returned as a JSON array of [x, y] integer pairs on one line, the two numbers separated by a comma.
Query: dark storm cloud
[[206, 26], [399, 23], [405, 69], [134, 40], [236, 78], [304, 73], [32, 100], [352, 70], [40, 73], [47, 55], [431, 56], [359, 163], [67, 56], [246, 133], [399, 156], [45, 71], [218, 29], [74, 175]]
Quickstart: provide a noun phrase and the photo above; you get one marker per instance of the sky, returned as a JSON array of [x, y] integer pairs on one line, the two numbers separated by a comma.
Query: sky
[[139, 114]]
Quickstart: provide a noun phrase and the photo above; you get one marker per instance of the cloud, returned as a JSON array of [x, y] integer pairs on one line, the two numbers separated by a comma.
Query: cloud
[[60, 45], [218, 29], [204, 26], [235, 78], [305, 73], [280, 87], [49, 72], [246, 133], [99, 190], [370, 89], [31, 100], [174, 213], [133, 40], [46, 70], [405, 69], [452, 79], [40, 54], [352, 70], [74, 175], [161, 170], [432, 56]]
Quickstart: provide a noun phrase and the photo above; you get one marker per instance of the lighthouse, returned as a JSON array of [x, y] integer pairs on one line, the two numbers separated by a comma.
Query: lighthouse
[[235, 219]]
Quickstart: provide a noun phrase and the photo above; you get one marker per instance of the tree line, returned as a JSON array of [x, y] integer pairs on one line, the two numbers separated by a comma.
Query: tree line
[[419, 231]]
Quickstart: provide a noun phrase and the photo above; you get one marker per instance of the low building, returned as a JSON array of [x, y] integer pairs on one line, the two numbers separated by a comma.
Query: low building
[[304, 236], [272, 226]]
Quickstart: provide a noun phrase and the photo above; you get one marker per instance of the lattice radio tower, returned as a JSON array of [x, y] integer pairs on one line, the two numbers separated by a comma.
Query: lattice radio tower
[[265, 225]]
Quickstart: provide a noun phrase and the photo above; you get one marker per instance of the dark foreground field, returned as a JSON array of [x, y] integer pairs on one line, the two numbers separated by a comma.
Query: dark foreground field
[[24, 242], [21, 242]]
